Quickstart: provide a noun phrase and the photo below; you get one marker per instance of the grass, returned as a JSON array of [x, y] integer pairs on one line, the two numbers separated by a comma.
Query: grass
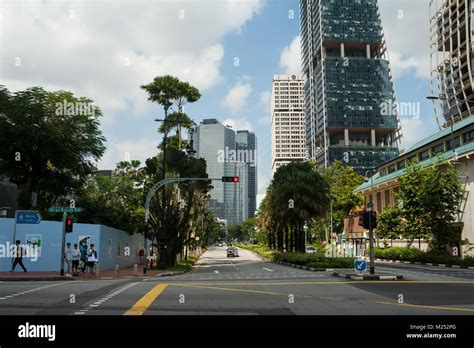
[[183, 266], [261, 250]]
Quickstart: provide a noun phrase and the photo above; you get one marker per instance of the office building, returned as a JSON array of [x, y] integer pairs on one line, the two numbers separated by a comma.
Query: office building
[[246, 146], [349, 97], [216, 143], [452, 30], [288, 122]]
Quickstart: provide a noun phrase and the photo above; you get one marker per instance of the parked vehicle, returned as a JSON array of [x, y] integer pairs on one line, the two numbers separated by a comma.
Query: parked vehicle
[[232, 251]]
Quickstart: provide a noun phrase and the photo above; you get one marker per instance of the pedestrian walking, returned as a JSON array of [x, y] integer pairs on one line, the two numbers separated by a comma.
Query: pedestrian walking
[[91, 258], [19, 252], [83, 259], [76, 256], [68, 257]]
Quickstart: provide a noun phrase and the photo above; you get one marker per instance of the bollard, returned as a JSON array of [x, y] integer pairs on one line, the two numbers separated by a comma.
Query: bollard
[[97, 270], [116, 271], [135, 270]]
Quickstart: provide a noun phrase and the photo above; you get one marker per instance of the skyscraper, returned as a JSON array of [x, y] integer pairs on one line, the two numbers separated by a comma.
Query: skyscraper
[[349, 96], [216, 144], [452, 59], [246, 145], [288, 123]]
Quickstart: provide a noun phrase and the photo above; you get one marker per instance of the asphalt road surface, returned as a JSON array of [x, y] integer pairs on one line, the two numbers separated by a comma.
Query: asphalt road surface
[[248, 285]]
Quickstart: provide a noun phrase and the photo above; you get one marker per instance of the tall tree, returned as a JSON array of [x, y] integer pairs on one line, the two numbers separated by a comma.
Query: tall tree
[[48, 142]]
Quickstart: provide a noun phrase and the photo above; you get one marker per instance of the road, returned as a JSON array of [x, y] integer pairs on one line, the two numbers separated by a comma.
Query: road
[[248, 285]]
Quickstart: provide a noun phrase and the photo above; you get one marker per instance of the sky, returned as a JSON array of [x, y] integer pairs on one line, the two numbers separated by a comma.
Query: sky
[[229, 49]]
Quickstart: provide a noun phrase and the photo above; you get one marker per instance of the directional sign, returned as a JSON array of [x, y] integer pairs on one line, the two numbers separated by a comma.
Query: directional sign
[[28, 217], [64, 210], [360, 265]]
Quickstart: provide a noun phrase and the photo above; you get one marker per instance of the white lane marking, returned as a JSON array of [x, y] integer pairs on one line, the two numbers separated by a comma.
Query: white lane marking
[[32, 290], [105, 298], [268, 269], [216, 272]]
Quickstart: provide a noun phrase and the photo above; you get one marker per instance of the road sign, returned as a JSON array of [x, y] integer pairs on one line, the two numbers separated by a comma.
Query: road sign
[[343, 238], [64, 210], [28, 217], [360, 265]]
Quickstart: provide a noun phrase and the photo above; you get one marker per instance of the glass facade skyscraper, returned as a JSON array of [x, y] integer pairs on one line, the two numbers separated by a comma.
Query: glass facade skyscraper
[[452, 59], [246, 145], [216, 143], [350, 105]]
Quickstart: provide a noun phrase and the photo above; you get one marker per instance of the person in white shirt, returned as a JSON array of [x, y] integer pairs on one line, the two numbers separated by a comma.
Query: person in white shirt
[[91, 258], [76, 256], [68, 257]]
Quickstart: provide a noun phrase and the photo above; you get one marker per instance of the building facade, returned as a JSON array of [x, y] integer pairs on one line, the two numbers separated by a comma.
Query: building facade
[[349, 97], [246, 146], [452, 59], [288, 122], [216, 143], [455, 146]]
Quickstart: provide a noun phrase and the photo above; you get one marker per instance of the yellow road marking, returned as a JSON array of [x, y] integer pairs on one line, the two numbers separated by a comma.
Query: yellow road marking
[[196, 266], [142, 304], [238, 290], [429, 307]]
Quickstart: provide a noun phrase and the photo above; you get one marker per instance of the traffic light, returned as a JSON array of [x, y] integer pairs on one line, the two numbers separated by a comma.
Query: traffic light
[[230, 179], [69, 224], [364, 219]]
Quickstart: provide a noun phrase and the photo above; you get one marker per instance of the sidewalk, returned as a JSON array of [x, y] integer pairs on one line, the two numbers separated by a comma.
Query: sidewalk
[[124, 273]]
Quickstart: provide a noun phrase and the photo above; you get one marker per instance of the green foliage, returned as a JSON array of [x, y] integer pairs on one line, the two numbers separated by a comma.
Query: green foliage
[[46, 148], [260, 249], [431, 198], [315, 260], [389, 223], [416, 255]]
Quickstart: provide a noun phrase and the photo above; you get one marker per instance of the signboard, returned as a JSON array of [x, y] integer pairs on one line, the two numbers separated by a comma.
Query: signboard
[[343, 238], [35, 241], [360, 265], [28, 217], [64, 210]]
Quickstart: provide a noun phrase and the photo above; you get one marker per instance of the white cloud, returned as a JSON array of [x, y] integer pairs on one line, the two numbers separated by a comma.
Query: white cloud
[[290, 59], [126, 150], [406, 27], [413, 131], [265, 103], [106, 50], [238, 124], [237, 96], [263, 182]]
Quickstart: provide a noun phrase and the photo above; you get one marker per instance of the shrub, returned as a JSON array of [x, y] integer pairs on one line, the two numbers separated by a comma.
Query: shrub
[[416, 255], [315, 260]]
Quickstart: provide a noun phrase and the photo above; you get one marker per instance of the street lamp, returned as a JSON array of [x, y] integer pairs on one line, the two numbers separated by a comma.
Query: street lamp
[[305, 227], [370, 206]]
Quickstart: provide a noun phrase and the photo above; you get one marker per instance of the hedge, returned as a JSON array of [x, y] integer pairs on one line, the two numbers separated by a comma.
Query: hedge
[[314, 260], [416, 255]]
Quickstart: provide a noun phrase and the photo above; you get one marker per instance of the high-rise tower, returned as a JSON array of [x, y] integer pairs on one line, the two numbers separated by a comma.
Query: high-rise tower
[[350, 108]]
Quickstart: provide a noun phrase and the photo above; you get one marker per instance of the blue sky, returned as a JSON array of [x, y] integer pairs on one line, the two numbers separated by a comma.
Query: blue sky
[[105, 50]]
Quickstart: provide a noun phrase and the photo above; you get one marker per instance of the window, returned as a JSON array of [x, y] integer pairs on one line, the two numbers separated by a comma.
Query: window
[[457, 143], [392, 168], [423, 155], [412, 159], [401, 164], [438, 149], [468, 137]]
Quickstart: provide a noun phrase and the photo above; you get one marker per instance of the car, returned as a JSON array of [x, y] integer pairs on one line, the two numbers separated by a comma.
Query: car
[[232, 251], [310, 250], [220, 244]]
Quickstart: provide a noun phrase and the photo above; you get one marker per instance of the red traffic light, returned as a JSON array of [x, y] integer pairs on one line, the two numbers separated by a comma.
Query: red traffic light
[[69, 224], [230, 179]]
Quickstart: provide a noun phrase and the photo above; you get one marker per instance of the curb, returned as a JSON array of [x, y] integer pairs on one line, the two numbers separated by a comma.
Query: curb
[[29, 279], [367, 277], [304, 267], [424, 263]]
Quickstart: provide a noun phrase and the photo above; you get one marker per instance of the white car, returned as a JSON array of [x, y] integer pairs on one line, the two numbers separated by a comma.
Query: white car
[[220, 244], [310, 250]]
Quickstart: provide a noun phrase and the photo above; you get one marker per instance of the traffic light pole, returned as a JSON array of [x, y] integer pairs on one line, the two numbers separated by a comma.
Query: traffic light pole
[[371, 242], [63, 240]]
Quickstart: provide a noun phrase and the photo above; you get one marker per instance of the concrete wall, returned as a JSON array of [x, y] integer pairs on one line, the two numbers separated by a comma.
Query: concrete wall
[[107, 240]]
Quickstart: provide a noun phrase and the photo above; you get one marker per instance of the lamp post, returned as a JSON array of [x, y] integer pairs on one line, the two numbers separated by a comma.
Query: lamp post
[[370, 206], [305, 228]]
